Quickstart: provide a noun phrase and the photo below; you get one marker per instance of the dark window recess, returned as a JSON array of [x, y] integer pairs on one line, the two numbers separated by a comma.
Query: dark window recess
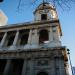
[[24, 39], [2, 64], [10, 40], [0, 39], [16, 66], [1, 36], [43, 36], [43, 16]]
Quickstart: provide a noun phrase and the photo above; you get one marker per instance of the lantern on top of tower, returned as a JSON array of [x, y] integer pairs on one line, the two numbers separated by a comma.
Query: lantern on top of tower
[[45, 11]]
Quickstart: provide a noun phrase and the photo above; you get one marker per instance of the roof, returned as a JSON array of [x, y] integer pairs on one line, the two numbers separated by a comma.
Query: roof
[[44, 5], [28, 25]]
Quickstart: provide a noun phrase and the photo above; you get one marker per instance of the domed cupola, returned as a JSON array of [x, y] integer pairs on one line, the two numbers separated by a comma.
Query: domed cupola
[[45, 11]]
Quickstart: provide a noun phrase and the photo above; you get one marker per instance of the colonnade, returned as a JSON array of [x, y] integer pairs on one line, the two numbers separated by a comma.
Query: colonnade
[[13, 67], [32, 38]]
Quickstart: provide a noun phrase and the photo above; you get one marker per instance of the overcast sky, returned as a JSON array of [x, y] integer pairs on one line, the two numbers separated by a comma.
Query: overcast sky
[[25, 14]]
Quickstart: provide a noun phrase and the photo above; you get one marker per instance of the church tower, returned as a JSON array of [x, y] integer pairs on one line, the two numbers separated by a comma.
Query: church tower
[[34, 48], [49, 35]]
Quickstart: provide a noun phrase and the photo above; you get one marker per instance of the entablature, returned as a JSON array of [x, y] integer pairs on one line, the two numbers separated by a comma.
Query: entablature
[[34, 53], [32, 25]]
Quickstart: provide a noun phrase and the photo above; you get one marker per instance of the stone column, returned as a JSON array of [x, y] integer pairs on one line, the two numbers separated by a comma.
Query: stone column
[[16, 38], [53, 68], [62, 68], [34, 39], [29, 41], [15, 41], [31, 63], [3, 39], [56, 64], [30, 36], [50, 35], [56, 37], [68, 68], [7, 70], [55, 34], [24, 68]]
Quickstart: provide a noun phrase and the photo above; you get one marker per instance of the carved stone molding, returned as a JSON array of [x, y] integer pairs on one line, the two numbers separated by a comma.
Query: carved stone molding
[[38, 53]]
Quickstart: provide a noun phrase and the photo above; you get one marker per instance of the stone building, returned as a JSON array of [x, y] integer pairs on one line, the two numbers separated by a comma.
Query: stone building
[[34, 48]]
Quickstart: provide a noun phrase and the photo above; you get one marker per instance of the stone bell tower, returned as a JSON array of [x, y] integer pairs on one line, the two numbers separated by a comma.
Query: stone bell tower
[[34, 48], [50, 36]]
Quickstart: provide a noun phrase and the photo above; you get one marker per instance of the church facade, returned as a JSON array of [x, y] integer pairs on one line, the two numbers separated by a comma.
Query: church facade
[[34, 48]]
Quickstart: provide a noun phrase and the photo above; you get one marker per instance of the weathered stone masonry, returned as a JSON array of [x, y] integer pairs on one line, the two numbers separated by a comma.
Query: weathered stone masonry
[[34, 48]]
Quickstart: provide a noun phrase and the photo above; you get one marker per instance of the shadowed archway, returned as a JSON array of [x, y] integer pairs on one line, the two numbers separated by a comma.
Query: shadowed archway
[[43, 36]]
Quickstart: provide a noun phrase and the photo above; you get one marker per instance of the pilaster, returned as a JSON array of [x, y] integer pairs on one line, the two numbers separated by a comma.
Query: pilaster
[[29, 41], [30, 36], [24, 68], [33, 40], [7, 70], [54, 37], [16, 38], [31, 67], [50, 35]]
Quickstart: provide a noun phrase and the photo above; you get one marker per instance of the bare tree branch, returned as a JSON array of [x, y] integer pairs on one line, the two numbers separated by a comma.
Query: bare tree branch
[[63, 4]]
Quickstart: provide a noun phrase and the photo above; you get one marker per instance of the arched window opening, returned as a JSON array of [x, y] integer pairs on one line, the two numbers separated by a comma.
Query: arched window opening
[[43, 16], [42, 73], [23, 37], [43, 36]]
